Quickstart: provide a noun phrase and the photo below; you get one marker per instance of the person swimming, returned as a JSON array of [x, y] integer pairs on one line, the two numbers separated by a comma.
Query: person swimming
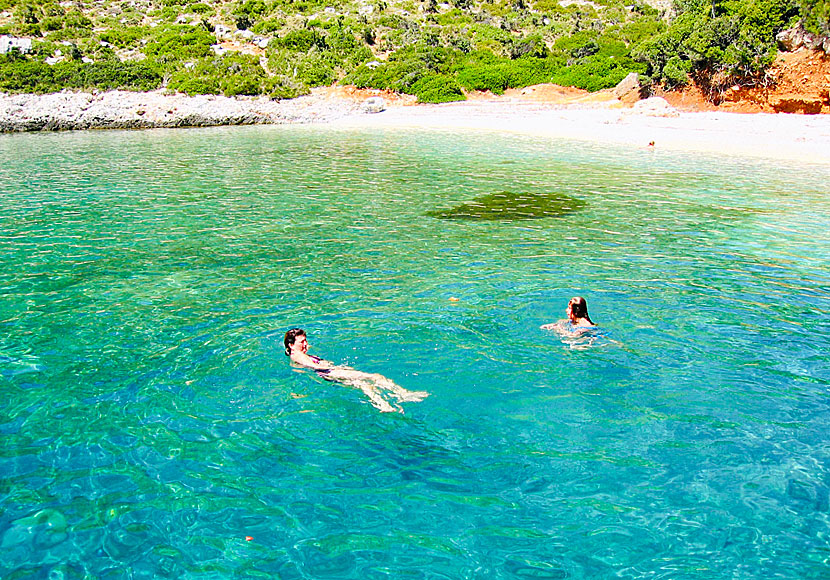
[[578, 319], [371, 384]]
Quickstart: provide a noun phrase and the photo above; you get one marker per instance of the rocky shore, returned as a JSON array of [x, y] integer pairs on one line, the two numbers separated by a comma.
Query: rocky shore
[[129, 110]]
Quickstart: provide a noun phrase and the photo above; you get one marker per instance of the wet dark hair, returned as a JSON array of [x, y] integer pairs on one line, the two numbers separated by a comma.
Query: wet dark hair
[[291, 338], [579, 308]]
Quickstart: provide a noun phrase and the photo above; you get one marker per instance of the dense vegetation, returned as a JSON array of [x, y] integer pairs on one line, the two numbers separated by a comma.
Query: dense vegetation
[[436, 51]]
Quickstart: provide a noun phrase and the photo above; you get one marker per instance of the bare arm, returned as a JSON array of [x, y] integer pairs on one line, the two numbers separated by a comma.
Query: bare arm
[[311, 362]]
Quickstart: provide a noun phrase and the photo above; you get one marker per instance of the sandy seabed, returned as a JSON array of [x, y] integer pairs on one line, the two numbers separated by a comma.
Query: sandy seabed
[[786, 137]]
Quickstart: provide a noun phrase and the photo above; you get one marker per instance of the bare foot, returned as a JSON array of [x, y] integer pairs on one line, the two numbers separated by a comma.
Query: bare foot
[[414, 396]]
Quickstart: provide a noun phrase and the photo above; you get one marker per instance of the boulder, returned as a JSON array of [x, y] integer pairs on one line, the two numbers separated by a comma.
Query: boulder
[[373, 105], [733, 94], [797, 103], [797, 37], [24, 45], [628, 89], [655, 107]]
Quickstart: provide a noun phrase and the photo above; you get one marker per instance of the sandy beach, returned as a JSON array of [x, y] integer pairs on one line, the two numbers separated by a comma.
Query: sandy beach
[[786, 137]]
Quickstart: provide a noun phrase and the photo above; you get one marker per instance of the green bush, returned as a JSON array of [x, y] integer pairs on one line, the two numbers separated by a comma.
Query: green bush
[[127, 37], [815, 15], [246, 13], [314, 70], [180, 43], [437, 89], [596, 72], [241, 85], [137, 76], [641, 29], [484, 78], [532, 45], [201, 85], [230, 75], [525, 72], [200, 8], [281, 87], [302, 40], [20, 74], [76, 19], [676, 72], [267, 26]]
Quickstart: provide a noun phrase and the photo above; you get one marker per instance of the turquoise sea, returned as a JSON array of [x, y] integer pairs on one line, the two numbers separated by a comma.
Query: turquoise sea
[[152, 427]]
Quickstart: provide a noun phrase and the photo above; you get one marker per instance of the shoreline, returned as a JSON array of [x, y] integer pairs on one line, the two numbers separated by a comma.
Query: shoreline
[[784, 137], [776, 136]]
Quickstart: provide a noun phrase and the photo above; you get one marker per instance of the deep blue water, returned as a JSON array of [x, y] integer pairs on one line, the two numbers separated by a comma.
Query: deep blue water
[[152, 426]]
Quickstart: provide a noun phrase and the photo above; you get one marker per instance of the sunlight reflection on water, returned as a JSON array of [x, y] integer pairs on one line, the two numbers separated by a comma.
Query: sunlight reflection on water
[[152, 422]]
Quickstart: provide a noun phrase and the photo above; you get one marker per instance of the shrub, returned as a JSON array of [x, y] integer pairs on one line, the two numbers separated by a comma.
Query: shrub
[[240, 85], [816, 16], [437, 89], [484, 78], [202, 85], [247, 12], [138, 76], [76, 19], [280, 87], [181, 43], [302, 40], [200, 8], [532, 45], [642, 28], [313, 70], [19, 74], [232, 74], [596, 72], [676, 72], [28, 75], [524, 72], [124, 37], [268, 26]]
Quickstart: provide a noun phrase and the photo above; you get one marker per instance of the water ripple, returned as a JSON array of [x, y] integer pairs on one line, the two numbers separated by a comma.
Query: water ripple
[[153, 427]]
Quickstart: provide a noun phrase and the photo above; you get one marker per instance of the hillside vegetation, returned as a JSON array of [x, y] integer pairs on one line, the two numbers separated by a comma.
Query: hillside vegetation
[[436, 51]]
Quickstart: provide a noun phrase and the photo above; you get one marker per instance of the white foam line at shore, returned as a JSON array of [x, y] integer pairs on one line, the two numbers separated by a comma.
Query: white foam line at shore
[[786, 137]]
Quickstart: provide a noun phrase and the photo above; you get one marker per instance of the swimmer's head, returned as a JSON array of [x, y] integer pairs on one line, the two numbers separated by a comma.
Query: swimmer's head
[[578, 309], [291, 337]]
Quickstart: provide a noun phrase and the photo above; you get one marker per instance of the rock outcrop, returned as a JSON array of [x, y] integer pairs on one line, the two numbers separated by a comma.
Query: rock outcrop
[[628, 89], [797, 37], [373, 105], [654, 107], [797, 103], [129, 110]]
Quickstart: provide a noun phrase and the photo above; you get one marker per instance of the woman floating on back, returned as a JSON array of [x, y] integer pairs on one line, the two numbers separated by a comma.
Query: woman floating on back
[[296, 348]]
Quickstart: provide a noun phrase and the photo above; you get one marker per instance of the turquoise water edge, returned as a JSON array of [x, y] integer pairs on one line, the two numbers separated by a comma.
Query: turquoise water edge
[[153, 428]]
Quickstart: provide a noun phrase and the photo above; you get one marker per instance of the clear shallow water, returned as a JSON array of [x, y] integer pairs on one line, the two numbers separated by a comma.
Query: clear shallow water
[[151, 422]]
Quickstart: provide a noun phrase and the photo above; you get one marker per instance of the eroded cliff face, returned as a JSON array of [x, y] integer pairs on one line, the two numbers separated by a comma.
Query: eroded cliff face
[[800, 83]]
